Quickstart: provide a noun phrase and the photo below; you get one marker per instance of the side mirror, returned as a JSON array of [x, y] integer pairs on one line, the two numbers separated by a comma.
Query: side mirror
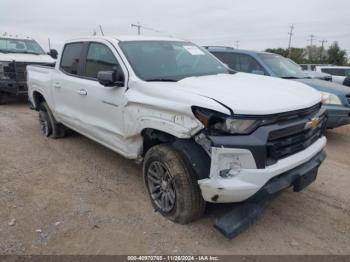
[[111, 78], [53, 53]]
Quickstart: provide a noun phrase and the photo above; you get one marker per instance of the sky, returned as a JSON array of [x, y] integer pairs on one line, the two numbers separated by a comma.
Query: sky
[[257, 25]]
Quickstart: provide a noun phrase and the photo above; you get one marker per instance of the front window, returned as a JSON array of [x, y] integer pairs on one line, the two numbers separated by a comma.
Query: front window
[[283, 67], [170, 60], [26, 46]]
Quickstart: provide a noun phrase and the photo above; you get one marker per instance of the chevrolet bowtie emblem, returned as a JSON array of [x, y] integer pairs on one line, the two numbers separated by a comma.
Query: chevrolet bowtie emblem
[[313, 123]]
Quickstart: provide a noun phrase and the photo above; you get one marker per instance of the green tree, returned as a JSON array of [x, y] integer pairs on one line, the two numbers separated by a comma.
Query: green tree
[[336, 55]]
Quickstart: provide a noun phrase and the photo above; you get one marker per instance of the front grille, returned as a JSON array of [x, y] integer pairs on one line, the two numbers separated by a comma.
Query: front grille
[[291, 140]]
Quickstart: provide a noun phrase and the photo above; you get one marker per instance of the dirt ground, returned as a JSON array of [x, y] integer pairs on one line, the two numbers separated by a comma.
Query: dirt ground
[[73, 196]]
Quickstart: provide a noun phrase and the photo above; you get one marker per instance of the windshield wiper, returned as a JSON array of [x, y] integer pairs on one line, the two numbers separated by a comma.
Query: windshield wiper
[[28, 52], [161, 80], [290, 77]]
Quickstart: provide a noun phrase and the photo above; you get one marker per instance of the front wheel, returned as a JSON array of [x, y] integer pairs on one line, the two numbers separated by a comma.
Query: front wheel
[[172, 185]]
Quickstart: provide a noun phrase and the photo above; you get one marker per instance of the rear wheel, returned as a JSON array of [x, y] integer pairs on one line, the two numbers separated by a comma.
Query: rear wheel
[[48, 124], [172, 185]]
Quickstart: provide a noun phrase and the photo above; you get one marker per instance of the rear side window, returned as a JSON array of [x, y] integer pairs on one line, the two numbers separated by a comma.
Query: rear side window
[[70, 61], [99, 58], [334, 71]]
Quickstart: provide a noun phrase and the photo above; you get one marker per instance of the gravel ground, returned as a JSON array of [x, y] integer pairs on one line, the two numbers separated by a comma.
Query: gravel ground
[[73, 196]]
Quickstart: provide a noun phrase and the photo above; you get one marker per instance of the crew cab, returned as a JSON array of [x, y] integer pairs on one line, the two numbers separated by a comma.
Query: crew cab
[[202, 132], [335, 97], [15, 54]]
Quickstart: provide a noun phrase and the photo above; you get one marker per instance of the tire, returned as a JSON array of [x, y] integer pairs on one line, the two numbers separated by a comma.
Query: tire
[[48, 124], [167, 174], [347, 81]]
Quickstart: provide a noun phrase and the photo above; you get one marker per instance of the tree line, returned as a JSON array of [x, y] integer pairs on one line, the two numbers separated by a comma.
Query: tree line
[[314, 55]]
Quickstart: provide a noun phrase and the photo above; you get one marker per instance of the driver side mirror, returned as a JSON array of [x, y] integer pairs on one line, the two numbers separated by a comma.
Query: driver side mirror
[[111, 78], [53, 53]]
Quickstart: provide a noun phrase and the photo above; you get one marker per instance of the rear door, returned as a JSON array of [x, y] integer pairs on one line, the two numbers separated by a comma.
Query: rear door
[[66, 85]]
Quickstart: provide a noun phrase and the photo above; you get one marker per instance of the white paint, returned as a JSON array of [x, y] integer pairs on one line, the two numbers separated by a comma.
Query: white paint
[[116, 116], [249, 181]]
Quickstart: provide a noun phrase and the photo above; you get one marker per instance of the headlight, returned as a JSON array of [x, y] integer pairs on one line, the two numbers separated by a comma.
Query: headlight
[[330, 99], [225, 123]]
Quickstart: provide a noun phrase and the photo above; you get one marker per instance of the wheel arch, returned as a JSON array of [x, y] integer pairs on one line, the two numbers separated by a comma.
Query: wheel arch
[[193, 154]]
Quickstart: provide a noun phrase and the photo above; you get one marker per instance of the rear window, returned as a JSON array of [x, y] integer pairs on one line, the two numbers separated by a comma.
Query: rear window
[[70, 61]]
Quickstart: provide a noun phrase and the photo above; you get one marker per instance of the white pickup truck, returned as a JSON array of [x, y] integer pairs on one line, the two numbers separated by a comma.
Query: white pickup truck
[[203, 133]]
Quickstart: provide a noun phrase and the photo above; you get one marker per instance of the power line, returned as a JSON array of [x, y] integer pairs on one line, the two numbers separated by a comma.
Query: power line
[[290, 41], [140, 26]]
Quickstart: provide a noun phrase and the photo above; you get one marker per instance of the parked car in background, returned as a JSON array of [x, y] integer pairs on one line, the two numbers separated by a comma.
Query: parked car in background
[[336, 98], [319, 75], [312, 67], [203, 134], [340, 74], [15, 54]]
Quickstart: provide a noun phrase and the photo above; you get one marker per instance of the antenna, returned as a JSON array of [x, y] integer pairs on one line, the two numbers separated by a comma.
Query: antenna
[[101, 30]]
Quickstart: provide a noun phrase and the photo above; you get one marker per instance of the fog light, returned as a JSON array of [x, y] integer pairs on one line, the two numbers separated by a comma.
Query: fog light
[[234, 170]]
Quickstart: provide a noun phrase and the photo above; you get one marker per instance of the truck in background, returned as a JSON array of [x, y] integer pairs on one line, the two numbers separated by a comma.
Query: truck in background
[[15, 54]]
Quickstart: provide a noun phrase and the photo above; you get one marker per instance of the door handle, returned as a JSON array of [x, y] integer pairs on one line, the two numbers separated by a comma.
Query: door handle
[[82, 92], [57, 85]]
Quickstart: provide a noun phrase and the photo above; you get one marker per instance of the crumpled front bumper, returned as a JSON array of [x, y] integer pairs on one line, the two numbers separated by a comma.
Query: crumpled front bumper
[[244, 180]]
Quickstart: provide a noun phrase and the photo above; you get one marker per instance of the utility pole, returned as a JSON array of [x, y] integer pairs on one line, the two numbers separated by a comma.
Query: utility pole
[[290, 41], [101, 30], [138, 26], [237, 44], [322, 48], [311, 39], [49, 43], [322, 43]]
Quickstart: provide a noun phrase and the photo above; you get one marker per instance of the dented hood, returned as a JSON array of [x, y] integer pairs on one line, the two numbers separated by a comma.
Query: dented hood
[[253, 94]]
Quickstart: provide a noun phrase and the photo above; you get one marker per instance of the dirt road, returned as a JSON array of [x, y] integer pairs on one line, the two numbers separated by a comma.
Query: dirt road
[[73, 196]]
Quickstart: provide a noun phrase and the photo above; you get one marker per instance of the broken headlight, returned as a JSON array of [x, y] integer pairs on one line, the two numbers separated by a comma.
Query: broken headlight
[[223, 123]]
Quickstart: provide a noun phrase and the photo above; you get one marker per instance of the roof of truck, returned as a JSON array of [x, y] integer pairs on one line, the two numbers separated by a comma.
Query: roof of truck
[[128, 38]]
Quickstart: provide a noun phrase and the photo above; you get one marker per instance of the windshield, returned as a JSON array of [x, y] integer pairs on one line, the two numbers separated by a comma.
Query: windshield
[[170, 60], [282, 67], [20, 46]]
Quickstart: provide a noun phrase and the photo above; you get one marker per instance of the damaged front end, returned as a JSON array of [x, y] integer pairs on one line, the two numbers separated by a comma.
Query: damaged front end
[[252, 162]]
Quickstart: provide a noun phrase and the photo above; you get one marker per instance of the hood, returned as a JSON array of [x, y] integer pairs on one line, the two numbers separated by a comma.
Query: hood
[[30, 58], [253, 94], [325, 86]]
